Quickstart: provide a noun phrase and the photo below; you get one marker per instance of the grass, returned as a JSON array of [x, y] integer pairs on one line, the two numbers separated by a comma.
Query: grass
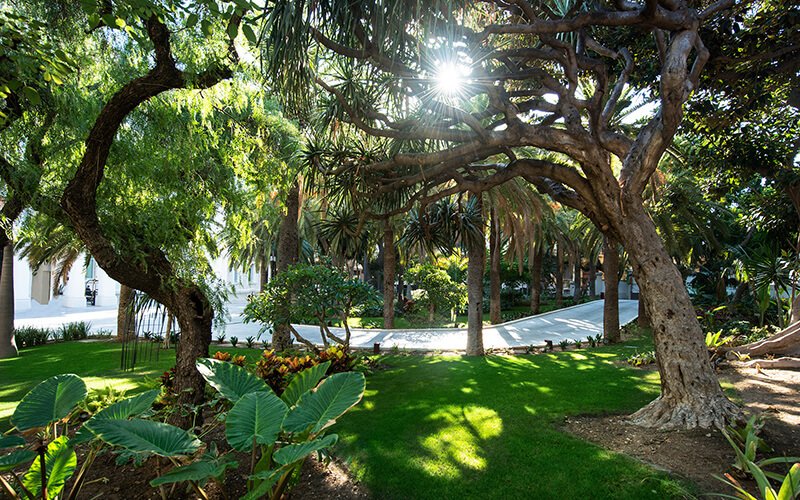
[[443, 427], [98, 363]]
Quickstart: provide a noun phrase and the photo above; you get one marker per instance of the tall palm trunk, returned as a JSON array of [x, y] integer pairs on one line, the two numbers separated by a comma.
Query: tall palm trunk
[[495, 314], [592, 278], [576, 275], [8, 346], [476, 254], [388, 275], [536, 279], [264, 274], [559, 276], [611, 279], [288, 248]]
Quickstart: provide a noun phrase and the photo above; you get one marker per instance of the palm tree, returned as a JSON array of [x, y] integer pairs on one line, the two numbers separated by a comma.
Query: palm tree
[[8, 347]]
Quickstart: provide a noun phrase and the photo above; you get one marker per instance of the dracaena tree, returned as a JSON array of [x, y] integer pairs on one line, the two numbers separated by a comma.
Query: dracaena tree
[[518, 65]]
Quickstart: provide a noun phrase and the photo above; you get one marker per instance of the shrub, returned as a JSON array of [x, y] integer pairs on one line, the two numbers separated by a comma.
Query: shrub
[[221, 338], [29, 336], [250, 341], [645, 358], [74, 331], [564, 344], [278, 370], [234, 341]]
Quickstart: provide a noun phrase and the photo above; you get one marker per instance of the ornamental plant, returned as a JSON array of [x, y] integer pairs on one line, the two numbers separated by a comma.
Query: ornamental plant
[[310, 294], [438, 291]]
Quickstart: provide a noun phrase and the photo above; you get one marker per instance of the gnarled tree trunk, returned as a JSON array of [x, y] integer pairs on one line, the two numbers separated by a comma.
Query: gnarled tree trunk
[[611, 281]]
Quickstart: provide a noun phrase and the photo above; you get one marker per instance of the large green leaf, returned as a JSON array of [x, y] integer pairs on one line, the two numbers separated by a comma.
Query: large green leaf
[[304, 382], [791, 484], [120, 410], [295, 452], [146, 436], [197, 471], [15, 458], [268, 478], [59, 462], [11, 442], [230, 380], [256, 416], [320, 408], [49, 401]]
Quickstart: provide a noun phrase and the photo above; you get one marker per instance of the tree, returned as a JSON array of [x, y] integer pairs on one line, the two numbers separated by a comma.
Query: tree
[[439, 291], [514, 56]]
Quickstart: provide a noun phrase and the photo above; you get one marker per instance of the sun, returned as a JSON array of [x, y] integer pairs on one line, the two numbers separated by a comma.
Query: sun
[[451, 79]]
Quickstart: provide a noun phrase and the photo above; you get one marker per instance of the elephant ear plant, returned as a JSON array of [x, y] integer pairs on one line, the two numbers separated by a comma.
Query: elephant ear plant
[[52, 457], [284, 429]]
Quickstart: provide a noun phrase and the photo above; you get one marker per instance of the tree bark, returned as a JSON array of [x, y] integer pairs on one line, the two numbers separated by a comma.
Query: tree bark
[[643, 319], [536, 279], [559, 276], [288, 248], [476, 253], [8, 346], [592, 278], [263, 274], [576, 275], [690, 393], [611, 280], [495, 313], [388, 275], [126, 318], [786, 341]]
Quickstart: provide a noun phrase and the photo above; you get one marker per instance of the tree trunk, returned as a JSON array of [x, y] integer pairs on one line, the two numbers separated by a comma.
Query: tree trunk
[[611, 281], [401, 290], [495, 314], [559, 276], [592, 279], [288, 248], [690, 393], [576, 275], [365, 270], [388, 275], [476, 253], [643, 319], [8, 346], [126, 317], [194, 315], [786, 341], [264, 272], [536, 279]]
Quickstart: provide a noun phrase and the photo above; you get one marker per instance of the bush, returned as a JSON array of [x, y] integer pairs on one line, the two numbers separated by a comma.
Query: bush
[[28, 336], [73, 331], [277, 370]]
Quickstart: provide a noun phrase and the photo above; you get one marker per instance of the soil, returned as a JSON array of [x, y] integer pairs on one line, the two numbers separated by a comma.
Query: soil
[[694, 455]]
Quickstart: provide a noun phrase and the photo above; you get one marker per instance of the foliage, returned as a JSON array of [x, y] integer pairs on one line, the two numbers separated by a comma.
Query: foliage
[[309, 293], [745, 443], [578, 344], [714, 340], [234, 340], [278, 370], [250, 342], [220, 337], [29, 336], [643, 358], [438, 290], [73, 331], [564, 344]]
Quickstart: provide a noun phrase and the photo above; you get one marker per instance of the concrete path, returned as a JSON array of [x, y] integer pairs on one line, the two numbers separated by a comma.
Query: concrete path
[[572, 323]]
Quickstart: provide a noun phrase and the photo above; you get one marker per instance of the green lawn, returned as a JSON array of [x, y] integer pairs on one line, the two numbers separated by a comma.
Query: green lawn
[[442, 427], [484, 428]]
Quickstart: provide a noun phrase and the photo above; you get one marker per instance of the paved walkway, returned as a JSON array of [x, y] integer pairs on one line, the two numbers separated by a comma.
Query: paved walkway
[[572, 323]]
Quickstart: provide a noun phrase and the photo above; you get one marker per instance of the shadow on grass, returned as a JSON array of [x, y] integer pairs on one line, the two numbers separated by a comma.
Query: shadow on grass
[[457, 427]]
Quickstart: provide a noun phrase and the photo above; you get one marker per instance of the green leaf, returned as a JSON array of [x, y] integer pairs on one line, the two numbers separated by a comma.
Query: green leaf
[[120, 410], [249, 33], [207, 28], [233, 30], [304, 382], [146, 436], [270, 477], [197, 471], [32, 95], [15, 458], [11, 442], [256, 416], [59, 461], [48, 402], [320, 408], [295, 452], [191, 21], [230, 380], [791, 484]]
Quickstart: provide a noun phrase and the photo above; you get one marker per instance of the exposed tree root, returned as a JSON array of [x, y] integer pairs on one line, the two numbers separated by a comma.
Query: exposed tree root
[[786, 341], [783, 363], [702, 412]]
